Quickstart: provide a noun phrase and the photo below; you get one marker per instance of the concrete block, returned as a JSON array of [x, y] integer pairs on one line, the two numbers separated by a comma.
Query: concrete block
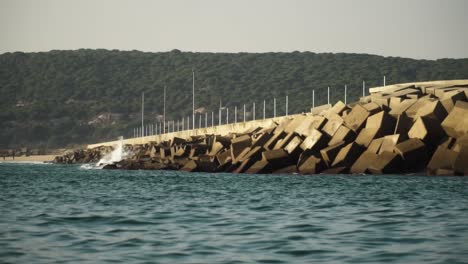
[[329, 153], [309, 124], [278, 134], [389, 143], [207, 163], [226, 141], [461, 162], [386, 162], [190, 166], [413, 109], [357, 118], [443, 158], [433, 110], [348, 155], [391, 88], [216, 147], [336, 170], [456, 123], [332, 125], [291, 169], [281, 143], [223, 157], [241, 155], [238, 144], [363, 162], [444, 172], [311, 165], [319, 109], [315, 141], [413, 153], [375, 144], [383, 122], [373, 108], [259, 167], [428, 130], [177, 141], [403, 125], [261, 139], [197, 149], [402, 107], [279, 156], [366, 136], [295, 123], [342, 134], [293, 147], [338, 108]]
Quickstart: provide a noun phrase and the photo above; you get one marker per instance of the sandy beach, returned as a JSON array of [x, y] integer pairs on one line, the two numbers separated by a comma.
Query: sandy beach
[[33, 158]]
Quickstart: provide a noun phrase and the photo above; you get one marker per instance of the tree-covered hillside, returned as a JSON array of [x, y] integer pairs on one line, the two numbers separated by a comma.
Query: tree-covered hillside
[[51, 99]]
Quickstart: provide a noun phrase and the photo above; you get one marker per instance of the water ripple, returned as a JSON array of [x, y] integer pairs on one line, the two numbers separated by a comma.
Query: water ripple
[[64, 214]]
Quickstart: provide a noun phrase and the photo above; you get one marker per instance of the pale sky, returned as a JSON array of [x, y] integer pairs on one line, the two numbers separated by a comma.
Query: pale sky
[[427, 29]]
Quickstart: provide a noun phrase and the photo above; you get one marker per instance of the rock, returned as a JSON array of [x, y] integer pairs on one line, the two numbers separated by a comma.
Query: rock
[[456, 123]]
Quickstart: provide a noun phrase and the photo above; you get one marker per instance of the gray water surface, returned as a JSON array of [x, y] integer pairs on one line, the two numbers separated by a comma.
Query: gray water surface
[[65, 214]]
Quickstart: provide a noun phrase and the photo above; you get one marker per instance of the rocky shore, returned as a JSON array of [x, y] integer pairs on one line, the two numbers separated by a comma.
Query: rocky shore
[[403, 128]]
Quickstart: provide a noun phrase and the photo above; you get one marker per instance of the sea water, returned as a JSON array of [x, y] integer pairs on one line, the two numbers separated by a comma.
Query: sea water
[[66, 214]]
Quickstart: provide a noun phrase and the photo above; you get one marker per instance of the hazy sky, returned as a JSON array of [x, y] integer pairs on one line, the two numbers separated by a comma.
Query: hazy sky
[[427, 29]]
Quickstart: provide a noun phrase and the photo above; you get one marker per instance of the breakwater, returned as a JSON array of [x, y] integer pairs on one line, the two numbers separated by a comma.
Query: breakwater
[[402, 128]]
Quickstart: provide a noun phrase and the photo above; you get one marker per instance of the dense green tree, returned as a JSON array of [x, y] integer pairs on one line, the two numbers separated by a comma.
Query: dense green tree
[[55, 98]]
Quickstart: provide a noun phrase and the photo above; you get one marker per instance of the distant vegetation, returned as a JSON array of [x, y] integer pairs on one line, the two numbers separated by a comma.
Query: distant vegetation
[[52, 99]]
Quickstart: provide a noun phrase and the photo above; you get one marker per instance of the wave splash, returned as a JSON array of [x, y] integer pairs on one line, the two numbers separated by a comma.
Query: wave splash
[[116, 155]]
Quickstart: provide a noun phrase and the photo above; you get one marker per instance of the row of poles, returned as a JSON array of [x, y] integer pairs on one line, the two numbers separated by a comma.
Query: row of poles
[[179, 125]]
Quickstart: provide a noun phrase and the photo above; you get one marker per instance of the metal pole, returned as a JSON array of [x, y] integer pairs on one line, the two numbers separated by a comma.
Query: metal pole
[[264, 105], [212, 118], [227, 115], [363, 88], [188, 123], [313, 98], [274, 107], [345, 92], [253, 111], [164, 106], [193, 99], [183, 123], [286, 105], [219, 115], [328, 92], [199, 122], [206, 119], [235, 114], [244, 112], [384, 81], [178, 128], [142, 112]]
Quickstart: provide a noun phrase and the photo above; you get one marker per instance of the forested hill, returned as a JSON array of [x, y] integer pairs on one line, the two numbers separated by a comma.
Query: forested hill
[[51, 99]]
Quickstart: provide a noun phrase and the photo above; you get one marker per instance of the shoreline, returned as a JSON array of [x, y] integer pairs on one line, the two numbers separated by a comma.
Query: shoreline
[[25, 159]]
